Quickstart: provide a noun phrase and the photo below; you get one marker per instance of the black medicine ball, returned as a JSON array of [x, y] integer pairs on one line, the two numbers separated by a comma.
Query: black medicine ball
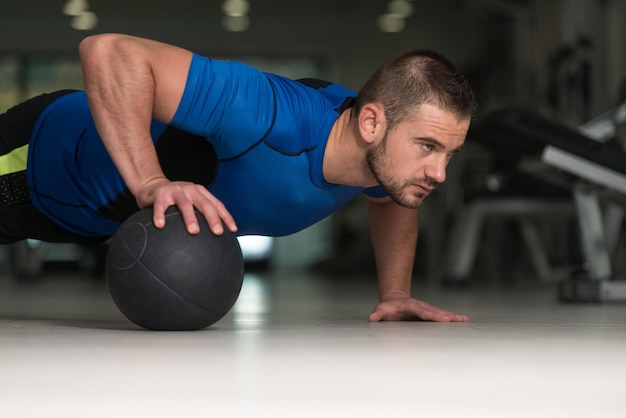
[[168, 279]]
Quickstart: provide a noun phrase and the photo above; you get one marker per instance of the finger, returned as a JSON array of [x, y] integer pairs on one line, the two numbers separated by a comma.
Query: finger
[[387, 312], [216, 225], [212, 218], [217, 215], [429, 312], [189, 217], [440, 315], [228, 219], [375, 316], [453, 317], [428, 315], [158, 214], [443, 316]]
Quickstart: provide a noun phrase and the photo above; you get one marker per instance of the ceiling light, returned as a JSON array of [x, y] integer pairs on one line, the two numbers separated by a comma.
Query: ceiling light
[[400, 7], [390, 22], [235, 23], [84, 21], [75, 7], [235, 8]]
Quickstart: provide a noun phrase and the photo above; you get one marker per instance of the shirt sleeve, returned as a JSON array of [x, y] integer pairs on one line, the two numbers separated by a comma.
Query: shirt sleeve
[[230, 103]]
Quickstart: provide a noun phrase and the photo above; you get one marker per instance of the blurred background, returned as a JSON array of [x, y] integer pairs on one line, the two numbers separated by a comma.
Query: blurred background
[[565, 59]]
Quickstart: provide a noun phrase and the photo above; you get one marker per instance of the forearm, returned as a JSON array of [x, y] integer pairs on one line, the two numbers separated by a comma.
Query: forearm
[[394, 235], [125, 78], [394, 232]]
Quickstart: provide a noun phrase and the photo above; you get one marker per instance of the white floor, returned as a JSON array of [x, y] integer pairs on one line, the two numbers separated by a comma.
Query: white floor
[[300, 346]]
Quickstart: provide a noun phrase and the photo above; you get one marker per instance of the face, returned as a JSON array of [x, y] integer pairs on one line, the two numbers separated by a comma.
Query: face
[[410, 161]]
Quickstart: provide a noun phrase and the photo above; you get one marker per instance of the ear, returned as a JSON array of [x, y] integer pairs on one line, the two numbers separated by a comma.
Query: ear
[[372, 122]]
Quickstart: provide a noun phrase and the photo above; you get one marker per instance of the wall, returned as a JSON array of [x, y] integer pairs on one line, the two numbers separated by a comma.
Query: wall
[[349, 39], [503, 46], [344, 34]]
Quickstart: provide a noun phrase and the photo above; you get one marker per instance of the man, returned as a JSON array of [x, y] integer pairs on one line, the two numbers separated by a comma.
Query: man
[[253, 152]]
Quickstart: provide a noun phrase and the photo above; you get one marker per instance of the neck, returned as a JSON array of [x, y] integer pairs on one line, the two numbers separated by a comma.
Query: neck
[[345, 157]]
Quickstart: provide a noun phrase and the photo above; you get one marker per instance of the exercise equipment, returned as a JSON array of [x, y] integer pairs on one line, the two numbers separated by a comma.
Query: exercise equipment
[[168, 279], [589, 161]]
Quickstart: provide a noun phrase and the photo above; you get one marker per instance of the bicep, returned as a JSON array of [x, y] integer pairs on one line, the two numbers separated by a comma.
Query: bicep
[[170, 67], [117, 66]]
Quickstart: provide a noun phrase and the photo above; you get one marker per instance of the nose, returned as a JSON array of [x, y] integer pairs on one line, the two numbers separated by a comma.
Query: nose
[[436, 169]]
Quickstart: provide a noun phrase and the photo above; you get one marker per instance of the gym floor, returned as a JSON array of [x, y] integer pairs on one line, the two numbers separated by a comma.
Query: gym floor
[[298, 345]]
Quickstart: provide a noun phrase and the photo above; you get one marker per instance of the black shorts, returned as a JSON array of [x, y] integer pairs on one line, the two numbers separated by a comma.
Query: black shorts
[[19, 219]]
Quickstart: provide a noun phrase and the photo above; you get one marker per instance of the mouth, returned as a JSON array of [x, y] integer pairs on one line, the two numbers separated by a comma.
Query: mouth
[[425, 190]]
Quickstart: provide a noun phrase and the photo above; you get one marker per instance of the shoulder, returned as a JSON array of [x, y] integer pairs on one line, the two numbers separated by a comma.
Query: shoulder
[[327, 88], [305, 112], [218, 93], [339, 96], [309, 99]]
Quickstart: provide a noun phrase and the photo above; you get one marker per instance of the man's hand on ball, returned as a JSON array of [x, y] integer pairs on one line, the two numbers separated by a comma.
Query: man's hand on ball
[[162, 193]]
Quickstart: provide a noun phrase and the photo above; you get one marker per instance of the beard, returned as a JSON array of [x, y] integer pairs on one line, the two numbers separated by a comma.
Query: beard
[[401, 192]]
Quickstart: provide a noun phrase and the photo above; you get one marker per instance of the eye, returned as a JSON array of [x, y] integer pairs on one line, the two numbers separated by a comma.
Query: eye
[[428, 147]]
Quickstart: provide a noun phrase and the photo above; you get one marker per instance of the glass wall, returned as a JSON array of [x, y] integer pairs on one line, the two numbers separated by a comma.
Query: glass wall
[[9, 81], [44, 74]]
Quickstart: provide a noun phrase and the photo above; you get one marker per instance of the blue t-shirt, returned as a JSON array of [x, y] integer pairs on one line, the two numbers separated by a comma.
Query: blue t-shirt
[[268, 132]]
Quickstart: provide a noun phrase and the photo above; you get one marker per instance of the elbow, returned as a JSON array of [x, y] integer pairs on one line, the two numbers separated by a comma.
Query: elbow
[[101, 45]]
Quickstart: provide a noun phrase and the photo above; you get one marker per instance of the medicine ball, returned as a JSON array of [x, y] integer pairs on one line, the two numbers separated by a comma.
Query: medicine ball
[[168, 279]]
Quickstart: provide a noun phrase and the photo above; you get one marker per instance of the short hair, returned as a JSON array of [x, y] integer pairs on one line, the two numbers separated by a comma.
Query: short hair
[[413, 78]]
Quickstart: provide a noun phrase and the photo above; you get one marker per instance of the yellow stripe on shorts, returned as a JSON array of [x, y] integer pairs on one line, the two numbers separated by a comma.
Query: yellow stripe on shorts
[[14, 161]]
